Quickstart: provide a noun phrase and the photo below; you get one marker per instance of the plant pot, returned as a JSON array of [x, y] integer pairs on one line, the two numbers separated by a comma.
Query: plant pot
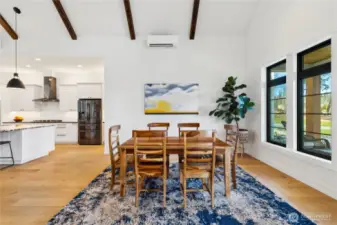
[[243, 135]]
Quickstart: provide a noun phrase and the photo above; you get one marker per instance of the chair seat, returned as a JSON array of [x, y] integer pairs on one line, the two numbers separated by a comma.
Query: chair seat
[[152, 169], [196, 170]]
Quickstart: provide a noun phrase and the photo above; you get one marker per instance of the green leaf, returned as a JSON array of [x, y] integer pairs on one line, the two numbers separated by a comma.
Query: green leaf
[[225, 104], [229, 96], [220, 100], [251, 104], [212, 112], [240, 87], [243, 94]]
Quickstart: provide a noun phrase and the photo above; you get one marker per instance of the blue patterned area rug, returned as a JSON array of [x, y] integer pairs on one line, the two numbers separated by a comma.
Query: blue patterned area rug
[[251, 203]]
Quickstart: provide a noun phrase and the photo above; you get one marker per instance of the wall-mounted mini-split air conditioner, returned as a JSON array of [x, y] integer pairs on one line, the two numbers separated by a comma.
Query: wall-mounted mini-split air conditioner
[[162, 41]]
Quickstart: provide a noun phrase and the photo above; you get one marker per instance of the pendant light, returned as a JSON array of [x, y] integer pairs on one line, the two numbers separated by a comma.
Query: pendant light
[[15, 82]]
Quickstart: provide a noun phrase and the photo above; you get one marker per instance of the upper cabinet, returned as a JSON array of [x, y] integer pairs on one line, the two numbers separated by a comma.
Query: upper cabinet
[[68, 97], [89, 90], [22, 99]]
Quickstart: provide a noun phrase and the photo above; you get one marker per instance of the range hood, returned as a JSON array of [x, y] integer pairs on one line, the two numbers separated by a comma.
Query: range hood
[[49, 90]]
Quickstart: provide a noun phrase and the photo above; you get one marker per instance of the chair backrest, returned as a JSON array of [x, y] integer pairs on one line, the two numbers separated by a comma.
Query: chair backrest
[[149, 133], [232, 136], [114, 143], [162, 126], [186, 127], [149, 154], [200, 150]]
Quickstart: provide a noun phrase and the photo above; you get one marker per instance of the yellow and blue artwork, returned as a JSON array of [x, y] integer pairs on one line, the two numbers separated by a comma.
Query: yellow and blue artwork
[[173, 98]]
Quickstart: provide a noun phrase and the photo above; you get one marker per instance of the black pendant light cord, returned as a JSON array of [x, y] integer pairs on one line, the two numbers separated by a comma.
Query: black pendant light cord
[[16, 45]]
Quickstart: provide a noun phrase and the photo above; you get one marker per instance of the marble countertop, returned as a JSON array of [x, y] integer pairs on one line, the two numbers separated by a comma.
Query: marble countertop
[[9, 128], [32, 122]]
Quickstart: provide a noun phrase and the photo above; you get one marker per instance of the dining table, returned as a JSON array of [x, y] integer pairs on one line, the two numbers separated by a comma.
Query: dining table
[[175, 146]]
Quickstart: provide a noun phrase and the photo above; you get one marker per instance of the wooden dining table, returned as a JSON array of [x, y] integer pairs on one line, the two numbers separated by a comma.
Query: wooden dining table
[[175, 145]]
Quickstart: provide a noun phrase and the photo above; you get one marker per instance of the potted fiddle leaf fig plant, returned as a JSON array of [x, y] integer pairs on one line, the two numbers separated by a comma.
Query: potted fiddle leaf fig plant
[[233, 105]]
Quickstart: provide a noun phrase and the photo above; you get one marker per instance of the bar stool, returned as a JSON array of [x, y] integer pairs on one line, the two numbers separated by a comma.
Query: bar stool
[[12, 157]]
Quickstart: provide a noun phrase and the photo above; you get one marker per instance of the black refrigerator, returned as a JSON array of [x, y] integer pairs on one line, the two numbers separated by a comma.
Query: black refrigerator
[[90, 121]]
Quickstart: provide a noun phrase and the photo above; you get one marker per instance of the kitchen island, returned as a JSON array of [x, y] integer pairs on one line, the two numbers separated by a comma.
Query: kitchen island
[[29, 141]]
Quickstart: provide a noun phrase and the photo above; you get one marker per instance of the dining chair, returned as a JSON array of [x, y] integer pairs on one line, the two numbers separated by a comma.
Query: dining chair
[[114, 151], [198, 162], [153, 166], [188, 128], [232, 139], [161, 126]]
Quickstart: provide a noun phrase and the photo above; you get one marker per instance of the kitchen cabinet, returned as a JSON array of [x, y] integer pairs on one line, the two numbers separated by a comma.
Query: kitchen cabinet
[[68, 97], [22, 99], [89, 90], [66, 133]]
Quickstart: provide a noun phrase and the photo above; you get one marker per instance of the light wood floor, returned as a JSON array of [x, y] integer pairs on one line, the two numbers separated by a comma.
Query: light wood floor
[[35, 192]]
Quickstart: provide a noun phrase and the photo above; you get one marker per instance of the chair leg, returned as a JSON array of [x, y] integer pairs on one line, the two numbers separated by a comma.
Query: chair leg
[[10, 147], [234, 174], [180, 158], [243, 149], [164, 192], [113, 177], [137, 191], [185, 194], [224, 174], [212, 190], [168, 165]]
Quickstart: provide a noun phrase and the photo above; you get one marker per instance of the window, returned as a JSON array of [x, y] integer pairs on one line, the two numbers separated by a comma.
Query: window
[[314, 101], [276, 104]]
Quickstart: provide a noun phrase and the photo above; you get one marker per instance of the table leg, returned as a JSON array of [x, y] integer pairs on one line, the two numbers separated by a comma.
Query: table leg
[[227, 168], [122, 172]]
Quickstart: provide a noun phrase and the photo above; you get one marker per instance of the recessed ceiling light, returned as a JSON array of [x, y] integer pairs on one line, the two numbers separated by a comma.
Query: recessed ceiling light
[[79, 66], [28, 66], [37, 59]]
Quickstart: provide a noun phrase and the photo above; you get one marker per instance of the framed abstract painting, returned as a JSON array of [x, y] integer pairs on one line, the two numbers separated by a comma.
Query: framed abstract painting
[[173, 98]]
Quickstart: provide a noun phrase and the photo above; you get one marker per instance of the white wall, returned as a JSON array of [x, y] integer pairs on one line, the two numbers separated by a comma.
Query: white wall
[[207, 61], [280, 30], [128, 65]]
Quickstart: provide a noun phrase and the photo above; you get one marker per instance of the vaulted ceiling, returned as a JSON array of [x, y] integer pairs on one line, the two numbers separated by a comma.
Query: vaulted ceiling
[[108, 18]]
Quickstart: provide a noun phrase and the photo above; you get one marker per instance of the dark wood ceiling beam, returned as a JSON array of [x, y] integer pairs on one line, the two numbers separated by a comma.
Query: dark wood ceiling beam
[[128, 13], [8, 28], [194, 19], [65, 19]]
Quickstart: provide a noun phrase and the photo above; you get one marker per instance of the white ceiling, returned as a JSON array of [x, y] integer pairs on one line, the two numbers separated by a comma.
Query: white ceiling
[[54, 63], [107, 17]]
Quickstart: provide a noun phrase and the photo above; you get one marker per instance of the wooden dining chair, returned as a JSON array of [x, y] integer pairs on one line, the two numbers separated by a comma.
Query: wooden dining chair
[[156, 126], [153, 166], [198, 162], [232, 139], [187, 127], [114, 151], [161, 126]]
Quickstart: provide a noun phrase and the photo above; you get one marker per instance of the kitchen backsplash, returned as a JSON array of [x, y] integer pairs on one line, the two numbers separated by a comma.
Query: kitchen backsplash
[[48, 111]]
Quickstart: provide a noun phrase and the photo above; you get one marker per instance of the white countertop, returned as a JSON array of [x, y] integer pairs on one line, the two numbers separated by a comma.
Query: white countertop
[[16, 127]]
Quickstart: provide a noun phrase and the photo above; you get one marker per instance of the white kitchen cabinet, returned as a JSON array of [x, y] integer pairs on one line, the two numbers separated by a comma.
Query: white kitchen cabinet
[[89, 90], [22, 99], [68, 97], [66, 133]]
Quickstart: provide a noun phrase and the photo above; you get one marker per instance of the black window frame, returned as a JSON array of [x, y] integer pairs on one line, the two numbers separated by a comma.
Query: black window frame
[[303, 74], [272, 83]]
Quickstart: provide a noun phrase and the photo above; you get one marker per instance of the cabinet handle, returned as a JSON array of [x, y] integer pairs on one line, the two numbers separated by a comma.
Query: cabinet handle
[[61, 135]]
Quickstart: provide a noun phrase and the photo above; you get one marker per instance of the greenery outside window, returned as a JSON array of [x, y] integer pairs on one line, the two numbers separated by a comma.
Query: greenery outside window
[[276, 104], [314, 101]]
